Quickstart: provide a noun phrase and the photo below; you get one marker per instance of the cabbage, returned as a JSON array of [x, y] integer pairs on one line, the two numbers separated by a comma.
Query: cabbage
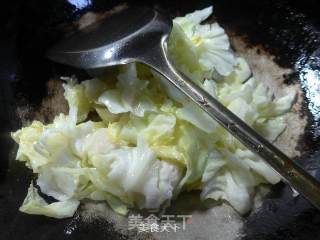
[[194, 146], [191, 113], [149, 142], [135, 175], [34, 204], [62, 183], [82, 162], [115, 203], [209, 42], [27, 151], [127, 97], [80, 97]]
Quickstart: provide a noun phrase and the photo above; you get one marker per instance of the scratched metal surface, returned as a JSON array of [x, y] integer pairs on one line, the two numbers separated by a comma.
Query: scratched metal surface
[[279, 39]]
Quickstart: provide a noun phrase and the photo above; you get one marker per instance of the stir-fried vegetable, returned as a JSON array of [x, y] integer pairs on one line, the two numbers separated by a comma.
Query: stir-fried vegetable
[[151, 142]]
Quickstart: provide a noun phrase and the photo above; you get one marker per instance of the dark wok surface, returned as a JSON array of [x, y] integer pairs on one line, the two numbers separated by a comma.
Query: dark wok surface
[[288, 30]]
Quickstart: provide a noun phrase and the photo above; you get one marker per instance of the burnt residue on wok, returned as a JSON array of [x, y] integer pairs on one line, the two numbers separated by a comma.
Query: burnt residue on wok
[[287, 30]]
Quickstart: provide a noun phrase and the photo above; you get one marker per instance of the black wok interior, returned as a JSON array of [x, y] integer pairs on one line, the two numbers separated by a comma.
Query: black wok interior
[[290, 30]]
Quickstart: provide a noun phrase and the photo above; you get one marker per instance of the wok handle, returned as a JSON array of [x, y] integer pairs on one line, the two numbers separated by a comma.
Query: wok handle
[[291, 173]]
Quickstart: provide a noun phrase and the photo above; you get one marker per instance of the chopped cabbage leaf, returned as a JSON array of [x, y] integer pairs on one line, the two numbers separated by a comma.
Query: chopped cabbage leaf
[[210, 42], [115, 204], [62, 183], [27, 151], [193, 114], [34, 204], [135, 175], [127, 97], [80, 97], [233, 176]]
